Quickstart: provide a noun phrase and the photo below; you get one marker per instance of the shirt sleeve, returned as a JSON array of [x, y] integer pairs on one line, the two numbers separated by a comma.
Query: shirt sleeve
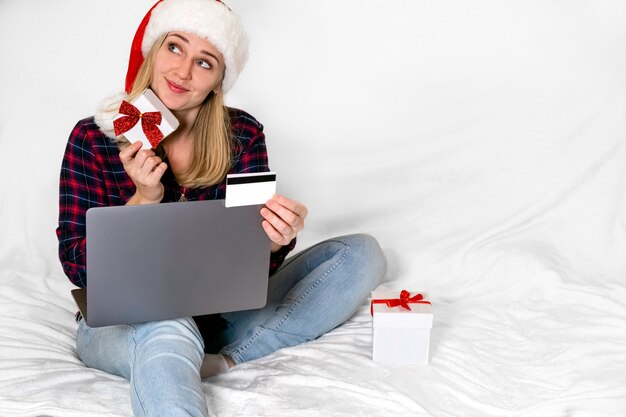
[[277, 258], [253, 156], [80, 187]]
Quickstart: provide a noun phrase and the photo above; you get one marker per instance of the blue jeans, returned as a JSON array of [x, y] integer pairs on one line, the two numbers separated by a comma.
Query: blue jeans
[[312, 293]]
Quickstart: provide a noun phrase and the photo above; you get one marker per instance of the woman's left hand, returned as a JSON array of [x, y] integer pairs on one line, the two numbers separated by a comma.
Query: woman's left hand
[[283, 219]]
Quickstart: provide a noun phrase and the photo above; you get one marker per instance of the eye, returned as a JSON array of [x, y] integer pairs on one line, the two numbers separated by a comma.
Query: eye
[[173, 48], [204, 64]]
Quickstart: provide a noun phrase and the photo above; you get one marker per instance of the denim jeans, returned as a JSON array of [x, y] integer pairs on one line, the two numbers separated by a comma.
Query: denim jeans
[[313, 292]]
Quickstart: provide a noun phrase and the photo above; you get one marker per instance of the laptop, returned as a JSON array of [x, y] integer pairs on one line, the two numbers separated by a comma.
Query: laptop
[[172, 260]]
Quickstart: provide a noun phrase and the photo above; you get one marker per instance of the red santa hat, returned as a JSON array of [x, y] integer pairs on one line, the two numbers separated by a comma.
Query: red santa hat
[[208, 19]]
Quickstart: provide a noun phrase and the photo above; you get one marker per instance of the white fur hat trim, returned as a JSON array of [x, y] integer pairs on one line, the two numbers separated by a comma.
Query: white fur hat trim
[[208, 19]]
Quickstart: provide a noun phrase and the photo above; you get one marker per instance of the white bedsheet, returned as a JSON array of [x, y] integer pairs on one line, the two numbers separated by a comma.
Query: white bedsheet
[[556, 351], [482, 143]]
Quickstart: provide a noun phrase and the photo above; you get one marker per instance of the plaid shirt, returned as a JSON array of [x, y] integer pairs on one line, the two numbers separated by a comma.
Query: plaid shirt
[[92, 175]]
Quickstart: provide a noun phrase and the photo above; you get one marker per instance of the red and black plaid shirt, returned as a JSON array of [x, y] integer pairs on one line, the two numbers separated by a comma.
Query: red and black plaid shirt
[[92, 175]]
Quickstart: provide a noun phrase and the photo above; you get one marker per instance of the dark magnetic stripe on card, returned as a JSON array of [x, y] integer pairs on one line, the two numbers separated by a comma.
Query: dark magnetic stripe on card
[[251, 179]]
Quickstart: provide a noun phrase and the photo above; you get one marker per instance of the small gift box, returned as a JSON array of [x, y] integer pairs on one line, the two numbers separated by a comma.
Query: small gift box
[[145, 119], [400, 327]]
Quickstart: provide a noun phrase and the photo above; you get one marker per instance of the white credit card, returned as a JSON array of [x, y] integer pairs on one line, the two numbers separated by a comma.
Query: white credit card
[[250, 189]]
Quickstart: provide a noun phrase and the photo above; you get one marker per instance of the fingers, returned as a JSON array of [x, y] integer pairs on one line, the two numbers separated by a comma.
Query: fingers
[[145, 169], [146, 161], [273, 234], [283, 219], [127, 153], [155, 175], [140, 163], [281, 226], [292, 205]]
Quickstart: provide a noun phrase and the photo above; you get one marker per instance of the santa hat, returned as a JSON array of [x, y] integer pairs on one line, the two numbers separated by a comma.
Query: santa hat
[[208, 19]]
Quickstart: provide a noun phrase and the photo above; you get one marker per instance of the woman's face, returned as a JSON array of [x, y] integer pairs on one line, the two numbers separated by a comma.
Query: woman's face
[[186, 69]]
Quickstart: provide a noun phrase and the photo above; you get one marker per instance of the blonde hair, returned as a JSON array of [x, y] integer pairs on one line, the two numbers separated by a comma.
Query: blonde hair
[[212, 139]]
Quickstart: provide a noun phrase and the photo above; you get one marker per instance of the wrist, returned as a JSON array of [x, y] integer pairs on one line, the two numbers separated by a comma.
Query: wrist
[[138, 198]]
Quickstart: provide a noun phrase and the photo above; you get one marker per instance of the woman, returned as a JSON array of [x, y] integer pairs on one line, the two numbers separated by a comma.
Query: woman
[[190, 52]]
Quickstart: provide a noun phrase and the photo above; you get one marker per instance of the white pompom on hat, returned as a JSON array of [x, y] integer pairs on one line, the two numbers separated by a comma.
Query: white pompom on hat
[[208, 19]]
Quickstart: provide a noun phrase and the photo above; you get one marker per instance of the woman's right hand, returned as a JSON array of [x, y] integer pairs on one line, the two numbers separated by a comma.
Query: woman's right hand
[[146, 170]]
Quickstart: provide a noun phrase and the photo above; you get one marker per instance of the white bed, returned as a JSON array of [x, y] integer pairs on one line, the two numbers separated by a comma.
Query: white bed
[[482, 142]]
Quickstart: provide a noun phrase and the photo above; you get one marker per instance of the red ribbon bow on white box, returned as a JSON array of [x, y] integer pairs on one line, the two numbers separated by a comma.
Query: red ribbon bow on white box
[[149, 122], [404, 300]]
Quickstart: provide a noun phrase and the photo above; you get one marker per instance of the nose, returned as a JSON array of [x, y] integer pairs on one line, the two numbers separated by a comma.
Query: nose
[[183, 70]]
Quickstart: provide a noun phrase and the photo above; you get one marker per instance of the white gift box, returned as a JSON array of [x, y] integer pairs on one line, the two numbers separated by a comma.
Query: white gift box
[[145, 103], [399, 335]]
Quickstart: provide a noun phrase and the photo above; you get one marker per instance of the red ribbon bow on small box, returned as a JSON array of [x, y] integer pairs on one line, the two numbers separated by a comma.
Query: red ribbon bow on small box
[[404, 300], [149, 122]]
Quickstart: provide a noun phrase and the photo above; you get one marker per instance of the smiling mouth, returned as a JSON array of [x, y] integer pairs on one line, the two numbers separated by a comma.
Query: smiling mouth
[[175, 87]]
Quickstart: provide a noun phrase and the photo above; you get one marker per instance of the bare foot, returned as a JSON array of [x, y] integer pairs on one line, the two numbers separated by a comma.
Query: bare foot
[[229, 361], [214, 364]]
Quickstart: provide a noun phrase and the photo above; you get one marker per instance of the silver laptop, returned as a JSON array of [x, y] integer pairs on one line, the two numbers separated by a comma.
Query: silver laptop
[[171, 260]]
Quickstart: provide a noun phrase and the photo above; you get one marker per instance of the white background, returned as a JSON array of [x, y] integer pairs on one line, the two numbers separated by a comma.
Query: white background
[[416, 121]]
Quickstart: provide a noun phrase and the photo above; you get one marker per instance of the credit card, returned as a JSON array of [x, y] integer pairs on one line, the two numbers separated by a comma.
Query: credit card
[[250, 189]]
